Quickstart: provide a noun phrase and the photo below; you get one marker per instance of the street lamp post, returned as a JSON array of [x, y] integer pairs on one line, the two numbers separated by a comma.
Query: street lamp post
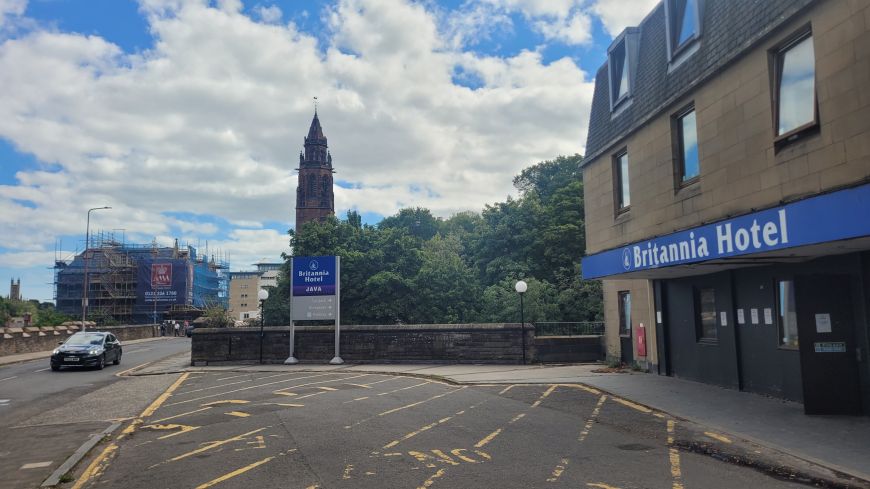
[[521, 288], [85, 258], [263, 294]]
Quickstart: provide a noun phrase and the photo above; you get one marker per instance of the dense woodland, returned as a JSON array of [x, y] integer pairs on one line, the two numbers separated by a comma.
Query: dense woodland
[[413, 268]]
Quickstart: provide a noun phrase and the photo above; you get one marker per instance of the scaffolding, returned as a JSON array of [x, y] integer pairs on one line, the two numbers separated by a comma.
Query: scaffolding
[[117, 281]]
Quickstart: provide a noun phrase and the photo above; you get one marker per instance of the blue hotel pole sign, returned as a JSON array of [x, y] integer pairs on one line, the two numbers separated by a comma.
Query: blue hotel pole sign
[[313, 275], [836, 216]]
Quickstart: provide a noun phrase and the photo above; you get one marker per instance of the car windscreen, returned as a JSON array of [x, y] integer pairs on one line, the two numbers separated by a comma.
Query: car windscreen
[[84, 339]]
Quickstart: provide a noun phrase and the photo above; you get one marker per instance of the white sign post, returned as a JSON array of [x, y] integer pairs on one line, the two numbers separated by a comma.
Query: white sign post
[[291, 360], [337, 359]]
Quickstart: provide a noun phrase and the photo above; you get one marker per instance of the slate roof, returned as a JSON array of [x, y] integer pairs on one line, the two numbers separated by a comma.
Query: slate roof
[[729, 29]]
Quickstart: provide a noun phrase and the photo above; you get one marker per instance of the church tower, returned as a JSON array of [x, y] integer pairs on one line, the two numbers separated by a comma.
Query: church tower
[[314, 197]]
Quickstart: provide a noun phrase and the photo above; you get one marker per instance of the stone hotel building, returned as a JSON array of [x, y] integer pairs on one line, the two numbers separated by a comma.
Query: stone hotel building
[[727, 181]]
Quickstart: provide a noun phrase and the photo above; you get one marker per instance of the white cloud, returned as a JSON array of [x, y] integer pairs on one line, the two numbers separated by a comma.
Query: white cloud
[[210, 121], [270, 15], [616, 15]]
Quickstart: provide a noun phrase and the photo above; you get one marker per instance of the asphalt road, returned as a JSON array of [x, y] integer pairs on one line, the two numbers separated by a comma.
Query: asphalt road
[[353, 430], [45, 416]]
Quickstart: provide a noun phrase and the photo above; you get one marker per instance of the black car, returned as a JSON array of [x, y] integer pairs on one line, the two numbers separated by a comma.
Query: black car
[[87, 349]]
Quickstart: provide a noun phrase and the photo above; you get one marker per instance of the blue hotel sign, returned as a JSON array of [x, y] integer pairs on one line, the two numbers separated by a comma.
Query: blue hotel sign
[[313, 276], [830, 217]]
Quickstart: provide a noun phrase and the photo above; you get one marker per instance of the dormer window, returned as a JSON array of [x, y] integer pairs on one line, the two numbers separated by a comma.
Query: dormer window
[[620, 60], [683, 26]]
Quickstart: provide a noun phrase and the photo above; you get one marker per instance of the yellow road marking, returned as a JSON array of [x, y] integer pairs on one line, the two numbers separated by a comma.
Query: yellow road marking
[[120, 374], [488, 438], [315, 486], [180, 415], [405, 388], [429, 426], [446, 458], [364, 386], [517, 418], [238, 414], [601, 485], [259, 441], [228, 401], [102, 460], [674, 457], [347, 470], [423, 457], [324, 388], [393, 454], [408, 406], [283, 404], [163, 397], [588, 389], [312, 395], [632, 405], [289, 394], [234, 473], [213, 444], [716, 436], [592, 418], [483, 454], [457, 452], [96, 467], [182, 428], [544, 396], [506, 389], [357, 399], [270, 383], [431, 480], [557, 472], [236, 383]]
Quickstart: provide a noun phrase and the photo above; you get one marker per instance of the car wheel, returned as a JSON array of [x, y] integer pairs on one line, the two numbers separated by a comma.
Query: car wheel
[[102, 363], [55, 368], [117, 359]]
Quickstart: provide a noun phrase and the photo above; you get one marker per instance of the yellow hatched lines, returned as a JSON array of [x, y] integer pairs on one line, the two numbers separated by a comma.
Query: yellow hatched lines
[[273, 383], [210, 445], [488, 438], [431, 480], [182, 428], [237, 472], [557, 472], [405, 388], [429, 426], [716, 436], [592, 418], [96, 467], [284, 374], [406, 406], [674, 457], [635, 406]]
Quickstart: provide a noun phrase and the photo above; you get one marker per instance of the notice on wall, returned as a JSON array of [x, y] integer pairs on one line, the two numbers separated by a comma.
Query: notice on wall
[[723, 318], [768, 315], [823, 323], [741, 319], [659, 317], [754, 313]]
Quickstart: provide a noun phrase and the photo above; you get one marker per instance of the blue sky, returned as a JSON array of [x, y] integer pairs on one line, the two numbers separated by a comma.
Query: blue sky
[[187, 116]]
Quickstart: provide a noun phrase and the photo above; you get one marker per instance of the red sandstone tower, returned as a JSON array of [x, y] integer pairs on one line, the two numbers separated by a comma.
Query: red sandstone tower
[[314, 198]]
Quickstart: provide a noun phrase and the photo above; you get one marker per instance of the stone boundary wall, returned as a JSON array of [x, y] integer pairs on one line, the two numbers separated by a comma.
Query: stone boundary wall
[[32, 339], [419, 343]]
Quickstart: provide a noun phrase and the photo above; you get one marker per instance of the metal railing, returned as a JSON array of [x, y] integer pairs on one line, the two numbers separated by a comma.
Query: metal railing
[[584, 328]]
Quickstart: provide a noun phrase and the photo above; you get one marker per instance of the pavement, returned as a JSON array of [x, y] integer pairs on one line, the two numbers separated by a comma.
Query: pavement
[[839, 443]]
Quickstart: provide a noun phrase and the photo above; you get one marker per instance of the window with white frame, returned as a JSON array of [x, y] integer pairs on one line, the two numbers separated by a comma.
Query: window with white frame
[[795, 92]]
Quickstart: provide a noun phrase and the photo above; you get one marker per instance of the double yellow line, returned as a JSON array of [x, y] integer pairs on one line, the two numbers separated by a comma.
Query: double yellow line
[[99, 464]]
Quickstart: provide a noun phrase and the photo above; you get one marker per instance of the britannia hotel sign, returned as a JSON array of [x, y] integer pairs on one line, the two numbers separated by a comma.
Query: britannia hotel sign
[[835, 216]]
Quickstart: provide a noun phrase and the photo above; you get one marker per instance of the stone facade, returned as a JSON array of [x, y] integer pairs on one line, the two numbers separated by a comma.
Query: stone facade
[[314, 195], [742, 166], [33, 339]]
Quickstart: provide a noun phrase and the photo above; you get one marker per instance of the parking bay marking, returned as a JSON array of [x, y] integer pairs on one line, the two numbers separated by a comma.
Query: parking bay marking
[[488, 438], [430, 426]]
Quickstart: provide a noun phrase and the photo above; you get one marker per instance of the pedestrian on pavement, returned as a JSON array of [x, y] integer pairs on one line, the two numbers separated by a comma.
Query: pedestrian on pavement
[[177, 327], [163, 328]]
